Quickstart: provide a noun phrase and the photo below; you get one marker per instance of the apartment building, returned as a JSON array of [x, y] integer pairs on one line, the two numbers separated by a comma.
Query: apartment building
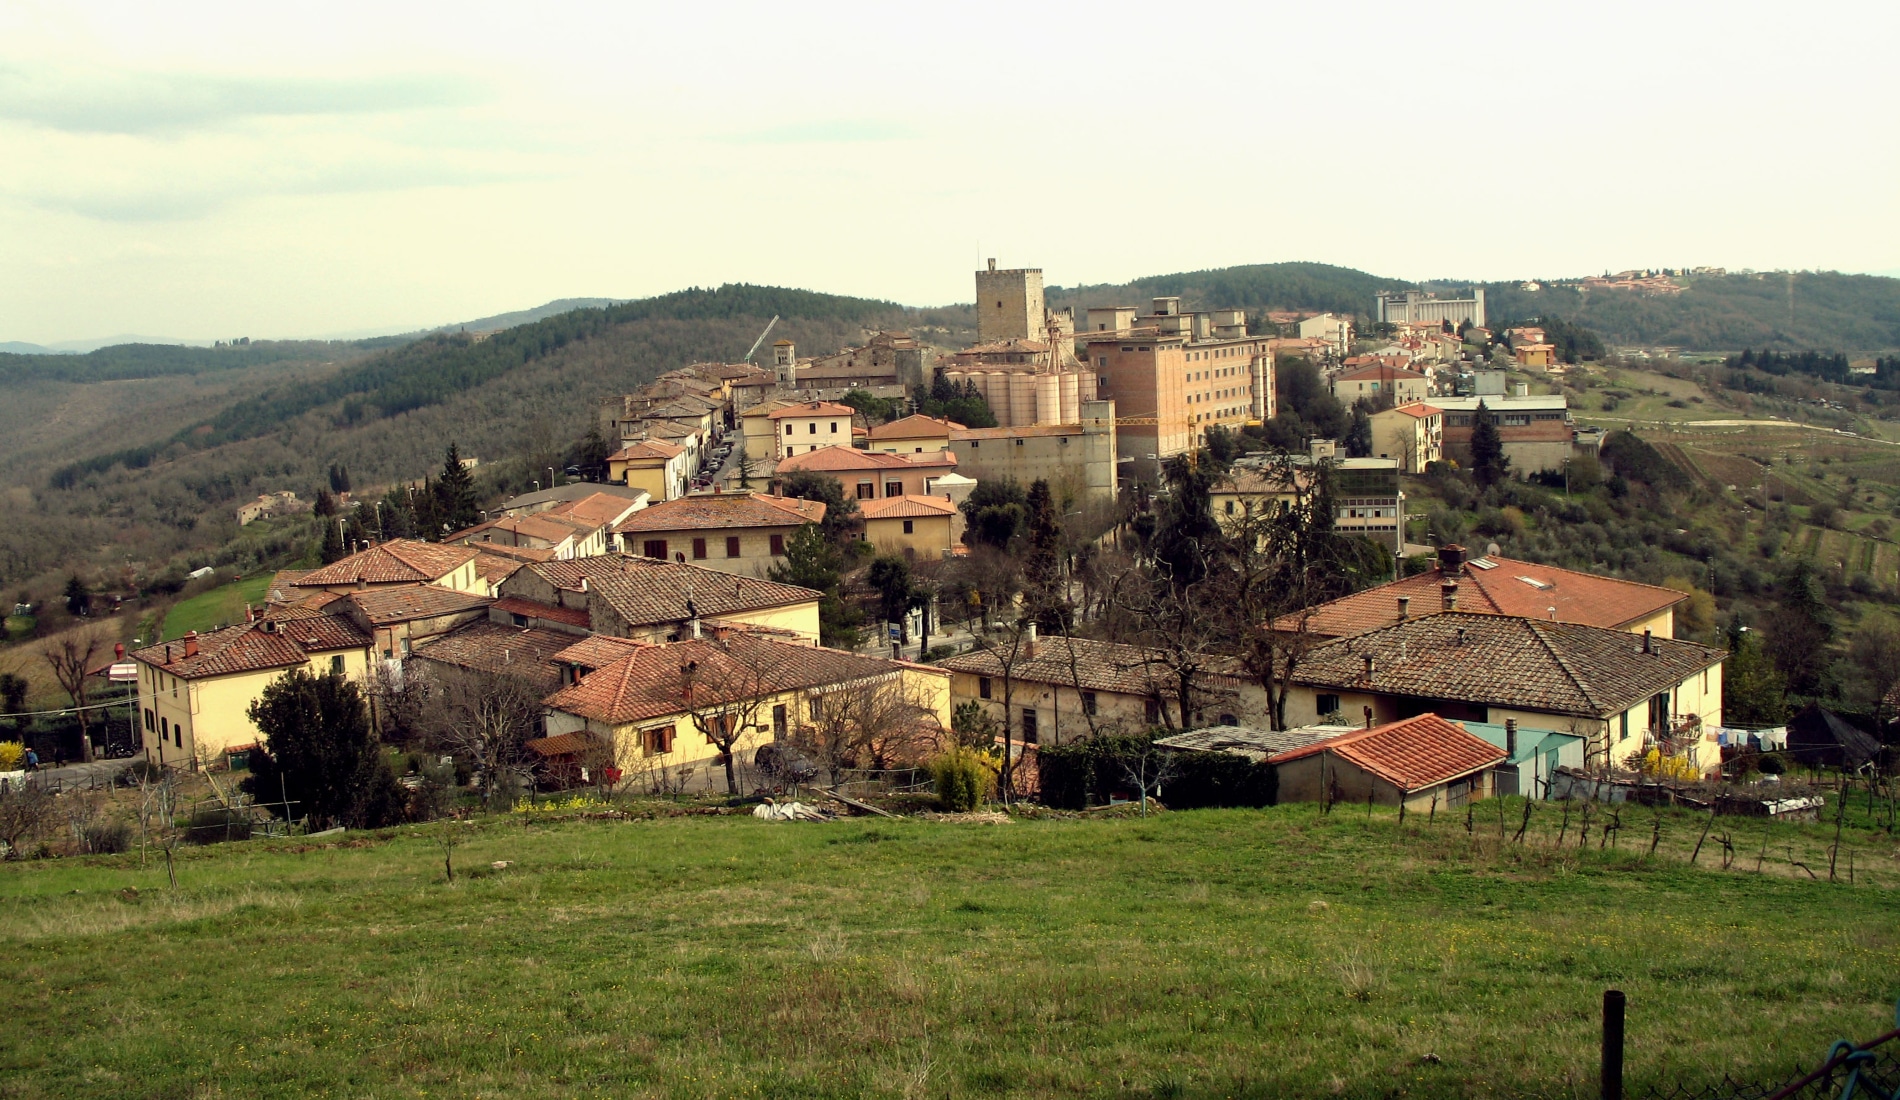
[[1172, 375], [809, 425]]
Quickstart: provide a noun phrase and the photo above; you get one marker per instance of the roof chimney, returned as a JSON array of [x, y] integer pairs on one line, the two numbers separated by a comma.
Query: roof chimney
[[1029, 644], [992, 263], [1552, 609], [1405, 607], [583, 582], [1451, 558], [1510, 738], [168, 654], [1649, 645], [1448, 593], [118, 651], [1369, 666], [191, 642], [688, 673]]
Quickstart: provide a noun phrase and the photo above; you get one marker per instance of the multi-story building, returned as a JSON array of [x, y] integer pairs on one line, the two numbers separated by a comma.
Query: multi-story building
[[1172, 375], [1009, 304], [1412, 435], [1381, 382], [805, 427], [867, 475], [1368, 499], [1332, 328], [1076, 459], [741, 533], [1535, 431], [1414, 307]]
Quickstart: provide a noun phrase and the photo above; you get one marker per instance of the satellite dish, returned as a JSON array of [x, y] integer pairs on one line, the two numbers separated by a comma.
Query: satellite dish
[[1490, 549]]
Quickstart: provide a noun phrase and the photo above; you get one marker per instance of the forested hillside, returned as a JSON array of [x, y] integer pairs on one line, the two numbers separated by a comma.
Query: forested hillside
[[1255, 288], [138, 502], [1821, 311]]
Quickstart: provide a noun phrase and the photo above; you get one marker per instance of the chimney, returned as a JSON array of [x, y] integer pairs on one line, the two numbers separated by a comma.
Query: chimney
[[1649, 646], [1461, 636], [688, 673], [1552, 609], [1448, 593], [583, 582], [1029, 644], [1405, 607], [992, 263], [118, 651], [168, 654], [1369, 667], [191, 642], [1510, 738], [361, 584], [696, 634], [1451, 558]]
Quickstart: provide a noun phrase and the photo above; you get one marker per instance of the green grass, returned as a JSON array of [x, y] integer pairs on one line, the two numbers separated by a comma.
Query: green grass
[[219, 606], [1229, 953], [17, 628]]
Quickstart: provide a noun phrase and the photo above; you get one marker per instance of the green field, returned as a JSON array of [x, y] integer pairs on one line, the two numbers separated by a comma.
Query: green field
[[220, 606], [1211, 953]]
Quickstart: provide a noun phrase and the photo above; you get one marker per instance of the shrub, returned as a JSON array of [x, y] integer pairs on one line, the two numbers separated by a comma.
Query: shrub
[[141, 771], [11, 753], [214, 825], [962, 779], [105, 838], [1081, 772]]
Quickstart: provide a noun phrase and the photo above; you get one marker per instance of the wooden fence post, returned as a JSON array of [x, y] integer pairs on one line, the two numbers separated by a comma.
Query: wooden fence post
[[1613, 1003]]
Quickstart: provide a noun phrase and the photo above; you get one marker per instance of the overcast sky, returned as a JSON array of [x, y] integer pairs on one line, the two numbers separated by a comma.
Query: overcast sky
[[195, 171]]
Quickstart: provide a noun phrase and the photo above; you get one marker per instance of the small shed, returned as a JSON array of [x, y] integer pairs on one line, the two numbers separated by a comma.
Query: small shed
[[1420, 762], [1531, 756], [564, 759], [1818, 737]]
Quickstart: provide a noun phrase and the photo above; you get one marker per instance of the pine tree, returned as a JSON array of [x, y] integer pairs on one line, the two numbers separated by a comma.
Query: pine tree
[[1042, 564], [1488, 463], [332, 548], [455, 492]]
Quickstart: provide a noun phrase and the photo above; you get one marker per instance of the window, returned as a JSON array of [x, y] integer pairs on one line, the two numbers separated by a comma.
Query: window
[[1626, 727], [1019, 442], [983, 687], [149, 723], [657, 741], [780, 722], [1151, 711], [178, 735], [834, 427], [867, 490], [1230, 507], [910, 527], [732, 546], [655, 548], [519, 619], [336, 665], [1326, 704], [1088, 703], [975, 443], [1031, 735], [811, 428], [699, 549], [893, 488], [778, 546], [1229, 719], [789, 428], [815, 709]]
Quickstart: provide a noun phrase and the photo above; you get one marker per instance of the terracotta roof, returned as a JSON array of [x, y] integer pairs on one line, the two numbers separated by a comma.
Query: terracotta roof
[[597, 651], [704, 511], [1024, 430], [519, 553], [1417, 409], [1501, 660], [1512, 588], [835, 458], [647, 448], [280, 642], [394, 562], [537, 526], [281, 590], [812, 408], [500, 650], [1098, 666], [563, 744], [909, 506], [496, 568], [1396, 374], [554, 613], [599, 509], [1412, 755], [645, 591], [648, 683], [916, 426], [403, 603]]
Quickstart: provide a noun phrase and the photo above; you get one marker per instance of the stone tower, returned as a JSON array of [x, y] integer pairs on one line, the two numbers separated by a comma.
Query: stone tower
[[1009, 304]]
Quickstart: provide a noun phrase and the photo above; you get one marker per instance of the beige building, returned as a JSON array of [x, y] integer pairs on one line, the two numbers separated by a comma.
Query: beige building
[[1059, 689], [656, 706], [195, 693], [1413, 435], [913, 526], [913, 434], [1621, 695], [1332, 328], [648, 600], [1172, 375], [659, 467], [1078, 460], [731, 532], [1381, 383], [810, 426], [867, 475], [398, 561]]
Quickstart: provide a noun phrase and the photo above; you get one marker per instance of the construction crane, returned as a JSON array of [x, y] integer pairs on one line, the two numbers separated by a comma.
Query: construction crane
[[1193, 432], [761, 339]]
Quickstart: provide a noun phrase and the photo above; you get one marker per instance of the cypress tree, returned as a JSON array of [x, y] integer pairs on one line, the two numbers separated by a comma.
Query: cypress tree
[[455, 493], [1488, 463]]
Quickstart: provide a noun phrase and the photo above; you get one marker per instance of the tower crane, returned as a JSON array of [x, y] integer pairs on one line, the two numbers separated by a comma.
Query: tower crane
[[755, 344]]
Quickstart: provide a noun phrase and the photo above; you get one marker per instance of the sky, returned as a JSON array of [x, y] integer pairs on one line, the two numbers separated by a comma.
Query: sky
[[197, 171]]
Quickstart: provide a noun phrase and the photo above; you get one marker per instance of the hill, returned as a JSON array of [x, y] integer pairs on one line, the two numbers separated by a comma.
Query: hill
[[529, 316], [1820, 311], [1194, 954], [1256, 288]]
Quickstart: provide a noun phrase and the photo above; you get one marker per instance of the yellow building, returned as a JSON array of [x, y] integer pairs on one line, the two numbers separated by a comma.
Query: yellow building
[[195, 692], [914, 434], [648, 600], [809, 425], [398, 561], [1412, 434], [651, 464], [740, 532], [659, 706], [914, 526]]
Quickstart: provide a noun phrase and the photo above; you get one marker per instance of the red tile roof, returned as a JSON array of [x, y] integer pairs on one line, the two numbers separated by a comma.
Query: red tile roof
[[501, 651], [812, 408], [285, 639], [705, 511], [496, 568], [916, 426], [648, 683], [1026, 431], [1397, 374], [646, 448], [838, 459], [397, 561], [313, 630], [909, 506], [543, 526], [553, 613], [646, 592], [601, 508], [1097, 666], [1513, 588], [564, 744], [597, 651], [404, 603], [1417, 409], [1412, 755]]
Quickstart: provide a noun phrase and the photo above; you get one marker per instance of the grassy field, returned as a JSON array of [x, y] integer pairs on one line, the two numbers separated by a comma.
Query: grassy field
[[1214, 953], [220, 606]]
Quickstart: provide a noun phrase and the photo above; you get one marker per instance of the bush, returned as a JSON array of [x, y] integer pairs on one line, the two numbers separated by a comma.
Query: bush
[[141, 771], [1771, 764], [1081, 772], [11, 753], [214, 825], [962, 779], [105, 838]]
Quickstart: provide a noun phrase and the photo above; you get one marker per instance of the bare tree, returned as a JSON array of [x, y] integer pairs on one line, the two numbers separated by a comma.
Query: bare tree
[[71, 658], [1148, 767], [878, 722], [1183, 632], [724, 694], [486, 719], [25, 805]]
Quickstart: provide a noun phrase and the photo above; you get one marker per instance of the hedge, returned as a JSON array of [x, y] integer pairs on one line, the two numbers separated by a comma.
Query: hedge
[[1087, 772]]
